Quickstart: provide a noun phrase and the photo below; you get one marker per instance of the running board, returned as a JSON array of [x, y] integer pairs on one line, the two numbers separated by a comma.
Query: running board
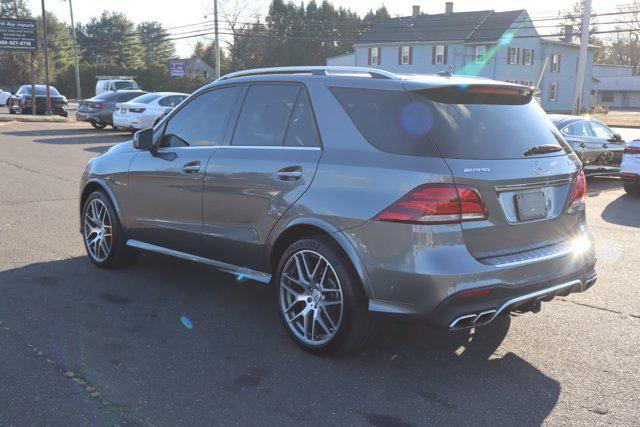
[[227, 268]]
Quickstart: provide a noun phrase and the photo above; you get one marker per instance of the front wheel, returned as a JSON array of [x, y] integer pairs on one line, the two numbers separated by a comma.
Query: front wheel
[[102, 233], [98, 126], [320, 299]]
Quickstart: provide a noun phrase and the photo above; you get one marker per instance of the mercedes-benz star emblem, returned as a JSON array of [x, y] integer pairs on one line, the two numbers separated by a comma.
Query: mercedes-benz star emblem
[[537, 167]]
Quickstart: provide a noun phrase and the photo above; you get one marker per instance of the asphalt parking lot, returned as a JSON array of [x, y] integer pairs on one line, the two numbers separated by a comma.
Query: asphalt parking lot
[[79, 345]]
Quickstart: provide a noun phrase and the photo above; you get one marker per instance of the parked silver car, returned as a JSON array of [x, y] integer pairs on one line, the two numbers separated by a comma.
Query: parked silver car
[[453, 200]]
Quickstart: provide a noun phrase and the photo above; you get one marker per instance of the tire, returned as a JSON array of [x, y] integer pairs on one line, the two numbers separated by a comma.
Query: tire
[[631, 188], [340, 321], [11, 110], [99, 218], [98, 126]]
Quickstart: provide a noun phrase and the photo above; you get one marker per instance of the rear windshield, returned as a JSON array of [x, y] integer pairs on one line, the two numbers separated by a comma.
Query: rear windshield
[[125, 85], [462, 125], [145, 99]]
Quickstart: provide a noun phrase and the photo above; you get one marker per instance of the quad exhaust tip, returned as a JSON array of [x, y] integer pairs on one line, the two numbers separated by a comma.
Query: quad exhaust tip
[[531, 302]]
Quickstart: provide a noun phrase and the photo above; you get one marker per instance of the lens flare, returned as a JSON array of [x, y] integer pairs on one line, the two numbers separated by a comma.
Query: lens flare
[[186, 322], [416, 119]]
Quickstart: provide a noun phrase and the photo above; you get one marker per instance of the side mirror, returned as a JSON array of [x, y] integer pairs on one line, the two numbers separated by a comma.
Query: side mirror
[[617, 137], [143, 139]]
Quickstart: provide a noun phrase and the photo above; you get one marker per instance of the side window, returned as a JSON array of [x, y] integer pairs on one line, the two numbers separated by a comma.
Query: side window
[[302, 130], [202, 121], [265, 115], [580, 128], [601, 131], [167, 101]]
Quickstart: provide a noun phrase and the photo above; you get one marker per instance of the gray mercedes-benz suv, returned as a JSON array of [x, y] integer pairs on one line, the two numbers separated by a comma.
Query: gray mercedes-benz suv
[[354, 191]]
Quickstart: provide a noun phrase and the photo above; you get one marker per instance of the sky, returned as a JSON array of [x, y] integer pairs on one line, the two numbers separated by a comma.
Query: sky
[[184, 12]]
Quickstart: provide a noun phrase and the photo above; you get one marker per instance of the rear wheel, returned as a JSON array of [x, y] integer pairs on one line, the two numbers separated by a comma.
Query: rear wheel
[[98, 126], [320, 299], [102, 233], [632, 188]]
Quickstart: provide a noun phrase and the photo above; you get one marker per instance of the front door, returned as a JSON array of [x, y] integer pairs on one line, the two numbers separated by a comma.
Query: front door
[[250, 183], [165, 185]]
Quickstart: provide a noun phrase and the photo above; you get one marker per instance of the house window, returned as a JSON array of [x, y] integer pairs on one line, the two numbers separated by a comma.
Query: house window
[[374, 56], [512, 56], [555, 63], [405, 56], [205, 74], [553, 92], [527, 57], [481, 54], [440, 54], [608, 97]]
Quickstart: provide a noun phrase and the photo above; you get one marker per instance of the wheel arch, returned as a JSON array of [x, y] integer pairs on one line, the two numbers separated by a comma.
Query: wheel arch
[[306, 227], [96, 184]]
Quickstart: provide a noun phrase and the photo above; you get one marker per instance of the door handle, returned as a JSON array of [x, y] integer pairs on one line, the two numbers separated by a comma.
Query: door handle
[[289, 174], [192, 167]]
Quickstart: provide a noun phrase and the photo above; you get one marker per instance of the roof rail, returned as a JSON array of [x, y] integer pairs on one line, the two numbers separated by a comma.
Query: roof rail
[[315, 70]]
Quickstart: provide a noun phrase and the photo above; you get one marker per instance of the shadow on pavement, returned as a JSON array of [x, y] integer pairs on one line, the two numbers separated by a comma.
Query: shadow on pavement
[[623, 211], [597, 185], [121, 331], [73, 135]]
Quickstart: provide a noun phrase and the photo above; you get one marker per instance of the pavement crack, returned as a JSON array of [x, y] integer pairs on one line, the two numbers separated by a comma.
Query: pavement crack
[[600, 308], [83, 383], [39, 201], [36, 171]]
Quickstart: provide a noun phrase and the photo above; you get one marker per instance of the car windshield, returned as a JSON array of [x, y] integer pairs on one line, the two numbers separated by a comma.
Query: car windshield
[[40, 90], [145, 99], [122, 85]]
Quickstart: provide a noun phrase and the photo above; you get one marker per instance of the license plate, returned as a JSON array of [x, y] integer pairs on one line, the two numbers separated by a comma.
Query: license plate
[[531, 206]]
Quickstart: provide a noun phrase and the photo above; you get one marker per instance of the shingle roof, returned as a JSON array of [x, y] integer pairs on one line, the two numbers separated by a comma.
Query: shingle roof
[[483, 25]]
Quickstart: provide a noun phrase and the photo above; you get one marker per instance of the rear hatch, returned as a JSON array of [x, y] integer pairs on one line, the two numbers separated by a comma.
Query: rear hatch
[[496, 139]]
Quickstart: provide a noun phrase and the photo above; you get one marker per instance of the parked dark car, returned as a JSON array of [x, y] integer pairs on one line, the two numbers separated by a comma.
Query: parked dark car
[[356, 193], [600, 149], [99, 110], [20, 103]]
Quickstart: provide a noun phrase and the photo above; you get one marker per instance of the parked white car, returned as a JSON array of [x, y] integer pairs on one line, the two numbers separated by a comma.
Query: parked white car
[[3, 97], [145, 111], [630, 168]]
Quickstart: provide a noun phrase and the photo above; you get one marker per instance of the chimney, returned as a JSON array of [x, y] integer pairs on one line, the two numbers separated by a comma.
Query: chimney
[[416, 10], [568, 33], [448, 7]]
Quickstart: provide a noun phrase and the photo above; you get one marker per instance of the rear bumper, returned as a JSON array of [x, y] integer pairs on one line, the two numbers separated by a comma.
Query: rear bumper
[[424, 272]]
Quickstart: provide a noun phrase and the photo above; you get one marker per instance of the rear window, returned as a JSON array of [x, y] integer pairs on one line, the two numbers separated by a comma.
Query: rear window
[[462, 122], [122, 85], [145, 99]]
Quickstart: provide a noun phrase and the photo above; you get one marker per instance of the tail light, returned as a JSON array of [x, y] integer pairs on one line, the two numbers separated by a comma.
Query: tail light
[[101, 106], [437, 204], [632, 150], [579, 192], [137, 110]]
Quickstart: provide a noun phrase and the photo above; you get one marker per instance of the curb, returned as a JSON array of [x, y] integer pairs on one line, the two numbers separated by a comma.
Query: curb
[[6, 118]]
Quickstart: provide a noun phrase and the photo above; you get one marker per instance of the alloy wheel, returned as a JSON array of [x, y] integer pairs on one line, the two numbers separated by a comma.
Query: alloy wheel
[[97, 230], [311, 297]]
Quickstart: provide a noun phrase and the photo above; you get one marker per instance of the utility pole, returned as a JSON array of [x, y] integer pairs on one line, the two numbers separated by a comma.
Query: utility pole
[[582, 59], [46, 61], [75, 53], [217, 38]]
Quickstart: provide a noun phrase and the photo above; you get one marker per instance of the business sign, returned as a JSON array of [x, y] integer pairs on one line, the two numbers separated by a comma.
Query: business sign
[[18, 34], [177, 68]]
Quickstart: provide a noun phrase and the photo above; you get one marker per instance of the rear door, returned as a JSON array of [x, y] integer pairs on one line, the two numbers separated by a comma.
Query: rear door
[[583, 141], [500, 142], [611, 151], [269, 163]]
